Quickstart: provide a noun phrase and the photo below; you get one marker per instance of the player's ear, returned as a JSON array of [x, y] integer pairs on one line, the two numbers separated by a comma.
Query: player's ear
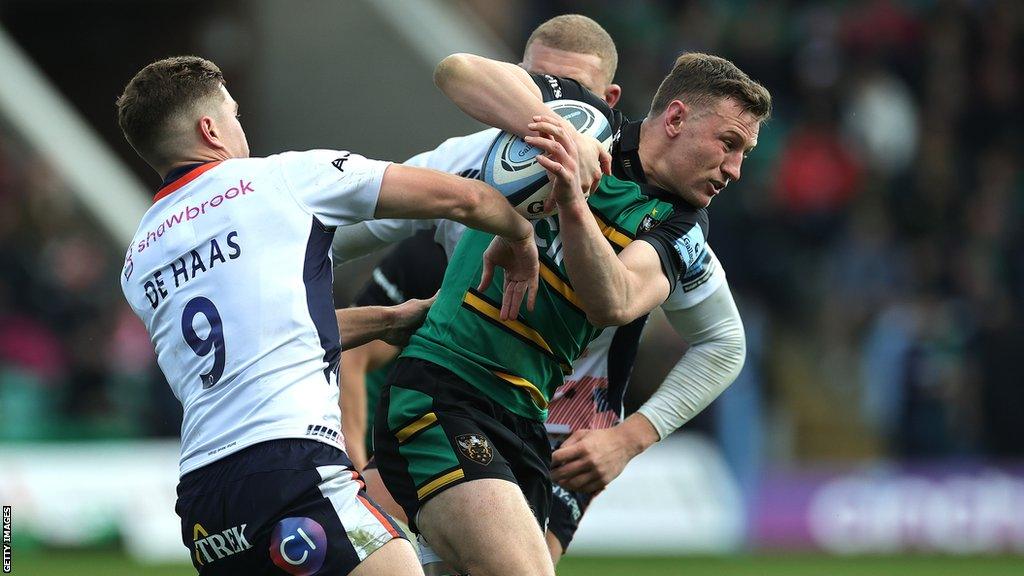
[[209, 132], [675, 116], [612, 94]]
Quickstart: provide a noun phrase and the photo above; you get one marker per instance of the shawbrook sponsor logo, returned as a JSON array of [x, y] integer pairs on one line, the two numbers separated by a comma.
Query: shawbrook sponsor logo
[[189, 213], [209, 547]]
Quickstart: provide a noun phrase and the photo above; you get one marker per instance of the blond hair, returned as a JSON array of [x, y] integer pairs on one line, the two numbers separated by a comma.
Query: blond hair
[[579, 34]]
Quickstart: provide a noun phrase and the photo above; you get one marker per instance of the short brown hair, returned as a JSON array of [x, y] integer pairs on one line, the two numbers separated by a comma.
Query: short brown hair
[[579, 34], [158, 93], [701, 79]]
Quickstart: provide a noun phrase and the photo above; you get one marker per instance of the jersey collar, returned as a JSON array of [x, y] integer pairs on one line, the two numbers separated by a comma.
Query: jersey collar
[[626, 154], [181, 176]]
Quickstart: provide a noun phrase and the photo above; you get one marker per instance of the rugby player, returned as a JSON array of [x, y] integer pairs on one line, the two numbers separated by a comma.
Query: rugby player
[[701, 310], [461, 412], [230, 272]]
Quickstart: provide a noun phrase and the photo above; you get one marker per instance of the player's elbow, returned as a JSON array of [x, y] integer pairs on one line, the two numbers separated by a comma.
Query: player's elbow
[[731, 349], [463, 202], [451, 69], [614, 315]]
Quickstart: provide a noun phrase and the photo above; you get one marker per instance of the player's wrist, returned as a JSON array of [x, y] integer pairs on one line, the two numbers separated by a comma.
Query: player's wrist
[[523, 234], [389, 318], [572, 204], [639, 434]]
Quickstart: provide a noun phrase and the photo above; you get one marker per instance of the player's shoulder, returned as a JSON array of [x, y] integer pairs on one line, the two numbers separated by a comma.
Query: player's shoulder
[[301, 158], [698, 282], [616, 197], [458, 154], [473, 140]]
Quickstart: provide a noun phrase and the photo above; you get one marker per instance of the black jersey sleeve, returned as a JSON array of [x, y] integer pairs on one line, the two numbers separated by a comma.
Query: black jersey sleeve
[[558, 88], [680, 241], [413, 269]]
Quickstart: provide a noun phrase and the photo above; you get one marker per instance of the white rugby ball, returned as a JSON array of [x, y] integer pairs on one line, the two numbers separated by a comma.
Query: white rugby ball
[[511, 164]]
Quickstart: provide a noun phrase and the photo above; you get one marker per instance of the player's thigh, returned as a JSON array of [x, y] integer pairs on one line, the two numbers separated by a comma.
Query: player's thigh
[[485, 527], [396, 557], [378, 492], [431, 434]]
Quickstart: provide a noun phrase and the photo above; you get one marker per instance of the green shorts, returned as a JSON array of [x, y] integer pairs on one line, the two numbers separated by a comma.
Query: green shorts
[[434, 431]]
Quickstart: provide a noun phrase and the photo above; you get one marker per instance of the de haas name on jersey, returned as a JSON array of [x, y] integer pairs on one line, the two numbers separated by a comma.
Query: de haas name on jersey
[[190, 265]]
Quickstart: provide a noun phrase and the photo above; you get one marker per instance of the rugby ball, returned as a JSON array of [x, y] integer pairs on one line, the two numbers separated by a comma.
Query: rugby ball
[[511, 164]]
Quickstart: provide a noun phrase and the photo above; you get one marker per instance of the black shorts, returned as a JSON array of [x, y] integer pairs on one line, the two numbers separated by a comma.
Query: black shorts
[[567, 507], [291, 505], [434, 431]]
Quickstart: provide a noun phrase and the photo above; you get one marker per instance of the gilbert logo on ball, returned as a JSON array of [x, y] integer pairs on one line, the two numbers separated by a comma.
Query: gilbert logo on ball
[[511, 165]]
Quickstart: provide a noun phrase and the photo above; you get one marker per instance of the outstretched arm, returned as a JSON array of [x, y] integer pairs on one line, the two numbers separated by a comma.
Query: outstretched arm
[[590, 459], [392, 324], [505, 96], [410, 192], [496, 93], [422, 193]]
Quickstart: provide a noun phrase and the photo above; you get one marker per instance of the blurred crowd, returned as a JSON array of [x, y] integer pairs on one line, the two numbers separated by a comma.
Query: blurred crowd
[[75, 362], [874, 243]]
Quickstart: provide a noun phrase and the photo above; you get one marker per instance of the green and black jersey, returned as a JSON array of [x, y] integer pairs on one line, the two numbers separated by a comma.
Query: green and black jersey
[[519, 363]]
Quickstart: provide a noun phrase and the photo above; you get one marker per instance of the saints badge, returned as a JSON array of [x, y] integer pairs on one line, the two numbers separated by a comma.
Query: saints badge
[[476, 448], [647, 224]]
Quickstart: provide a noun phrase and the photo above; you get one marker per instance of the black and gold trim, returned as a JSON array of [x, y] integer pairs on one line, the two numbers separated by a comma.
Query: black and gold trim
[[618, 236], [560, 285], [491, 311], [535, 394], [416, 427], [439, 481]]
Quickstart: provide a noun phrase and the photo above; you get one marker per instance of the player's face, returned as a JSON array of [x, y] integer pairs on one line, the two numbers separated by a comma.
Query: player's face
[[232, 136], [707, 148]]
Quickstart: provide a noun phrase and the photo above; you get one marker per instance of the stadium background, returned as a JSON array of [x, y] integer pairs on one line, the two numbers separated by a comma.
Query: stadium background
[[874, 245]]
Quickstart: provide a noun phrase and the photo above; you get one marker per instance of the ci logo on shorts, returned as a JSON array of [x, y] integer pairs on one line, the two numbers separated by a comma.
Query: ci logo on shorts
[[476, 448], [298, 546]]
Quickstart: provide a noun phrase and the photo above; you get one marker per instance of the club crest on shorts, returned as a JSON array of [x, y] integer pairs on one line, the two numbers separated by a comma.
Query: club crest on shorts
[[476, 448], [647, 224]]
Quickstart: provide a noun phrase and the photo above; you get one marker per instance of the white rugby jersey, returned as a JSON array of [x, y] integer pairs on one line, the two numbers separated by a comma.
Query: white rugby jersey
[[230, 272]]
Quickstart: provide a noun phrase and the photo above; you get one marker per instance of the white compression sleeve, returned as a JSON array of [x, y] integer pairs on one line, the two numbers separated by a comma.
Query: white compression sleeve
[[717, 350], [354, 241]]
